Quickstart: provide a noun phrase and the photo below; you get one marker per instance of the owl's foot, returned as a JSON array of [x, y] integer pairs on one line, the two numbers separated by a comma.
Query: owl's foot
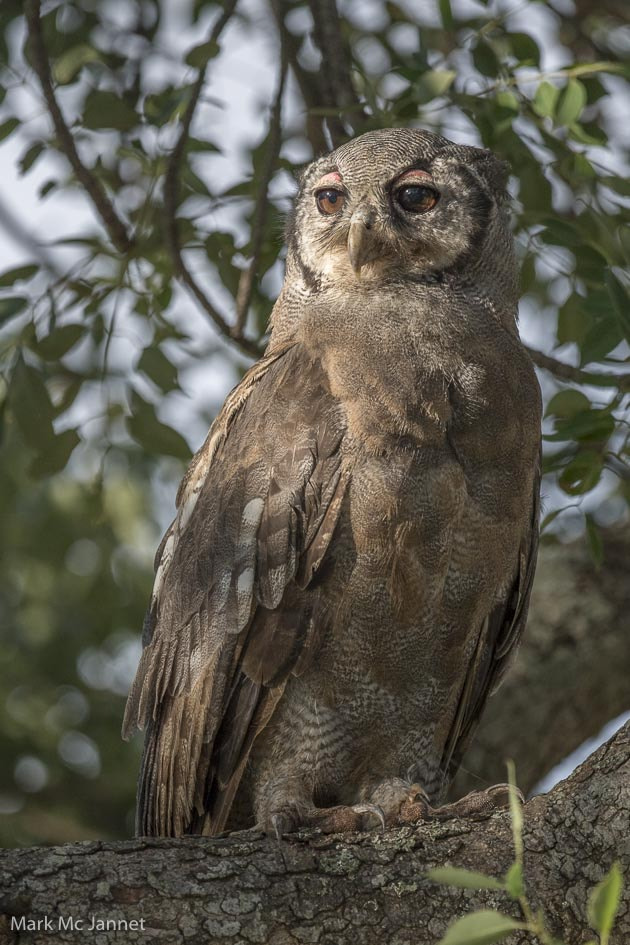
[[477, 805], [404, 803], [339, 819]]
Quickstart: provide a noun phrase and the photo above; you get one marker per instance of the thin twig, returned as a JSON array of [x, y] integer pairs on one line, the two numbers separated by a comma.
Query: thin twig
[[567, 372], [336, 88], [171, 193], [246, 281], [307, 81], [113, 224]]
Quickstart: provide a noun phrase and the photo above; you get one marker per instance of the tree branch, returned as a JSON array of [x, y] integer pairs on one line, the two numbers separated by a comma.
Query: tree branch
[[331, 86], [567, 372], [171, 193], [361, 889], [336, 89], [306, 81], [113, 224], [246, 281]]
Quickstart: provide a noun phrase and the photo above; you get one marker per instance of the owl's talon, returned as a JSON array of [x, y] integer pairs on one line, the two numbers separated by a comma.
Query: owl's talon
[[282, 824], [340, 819], [373, 809]]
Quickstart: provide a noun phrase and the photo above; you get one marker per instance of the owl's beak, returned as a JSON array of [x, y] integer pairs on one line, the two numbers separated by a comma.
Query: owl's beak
[[361, 239]]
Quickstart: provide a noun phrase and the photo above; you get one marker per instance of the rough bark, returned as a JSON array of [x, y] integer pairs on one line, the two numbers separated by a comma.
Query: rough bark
[[571, 675], [359, 890]]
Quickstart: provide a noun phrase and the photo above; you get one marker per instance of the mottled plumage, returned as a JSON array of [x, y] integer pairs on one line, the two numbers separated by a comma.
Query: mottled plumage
[[348, 574]]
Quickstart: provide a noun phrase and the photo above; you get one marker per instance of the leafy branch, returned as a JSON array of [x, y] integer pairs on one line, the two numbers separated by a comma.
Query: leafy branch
[[487, 926], [567, 372], [113, 224], [246, 281], [171, 195]]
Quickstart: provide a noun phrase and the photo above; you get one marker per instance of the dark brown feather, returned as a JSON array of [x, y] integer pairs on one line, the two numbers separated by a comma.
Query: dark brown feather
[[218, 648], [496, 648]]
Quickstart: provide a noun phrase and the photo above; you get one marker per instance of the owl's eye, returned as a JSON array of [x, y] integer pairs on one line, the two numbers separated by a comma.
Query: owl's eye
[[415, 198], [329, 200]]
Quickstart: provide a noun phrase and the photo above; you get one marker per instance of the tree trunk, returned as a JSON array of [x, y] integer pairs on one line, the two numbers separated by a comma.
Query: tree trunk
[[364, 889]]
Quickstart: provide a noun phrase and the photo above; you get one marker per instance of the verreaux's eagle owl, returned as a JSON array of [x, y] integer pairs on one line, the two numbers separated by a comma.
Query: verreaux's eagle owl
[[348, 573]]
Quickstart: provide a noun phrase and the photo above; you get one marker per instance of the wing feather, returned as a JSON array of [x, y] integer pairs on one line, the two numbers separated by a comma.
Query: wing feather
[[228, 620], [496, 648]]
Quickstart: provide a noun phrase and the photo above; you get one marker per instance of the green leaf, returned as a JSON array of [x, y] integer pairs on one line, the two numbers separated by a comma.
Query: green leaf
[[620, 185], [56, 455], [604, 901], [588, 425], [153, 435], [589, 133], [433, 84], [31, 406], [199, 55], [481, 928], [162, 107], [157, 366], [59, 341], [446, 13], [18, 274], [595, 544], [567, 403], [46, 188], [516, 813], [72, 61], [561, 233], [525, 48], [571, 102], [600, 340], [12, 306], [545, 99], [573, 321], [485, 59], [30, 156], [582, 474], [514, 878], [620, 301], [108, 110], [463, 879], [8, 127]]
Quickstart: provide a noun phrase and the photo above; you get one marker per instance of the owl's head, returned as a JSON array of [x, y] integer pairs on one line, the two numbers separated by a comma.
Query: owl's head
[[398, 204]]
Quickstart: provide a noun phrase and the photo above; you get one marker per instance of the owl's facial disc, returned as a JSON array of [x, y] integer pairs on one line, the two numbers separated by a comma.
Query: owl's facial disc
[[356, 221]]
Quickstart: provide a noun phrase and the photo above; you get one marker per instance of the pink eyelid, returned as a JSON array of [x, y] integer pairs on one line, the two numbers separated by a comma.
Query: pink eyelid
[[333, 178], [414, 175]]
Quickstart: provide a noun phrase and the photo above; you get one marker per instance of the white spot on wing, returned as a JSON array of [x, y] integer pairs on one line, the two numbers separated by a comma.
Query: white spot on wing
[[163, 566], [186, 510], [251, 516], [244, 587], [245, 582]]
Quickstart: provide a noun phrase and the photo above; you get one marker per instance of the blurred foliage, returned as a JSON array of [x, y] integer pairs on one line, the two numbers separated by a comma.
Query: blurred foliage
[[99, 94]]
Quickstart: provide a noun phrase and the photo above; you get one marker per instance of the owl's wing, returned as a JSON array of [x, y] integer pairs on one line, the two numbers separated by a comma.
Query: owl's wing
[[229, 620], [497, 646]]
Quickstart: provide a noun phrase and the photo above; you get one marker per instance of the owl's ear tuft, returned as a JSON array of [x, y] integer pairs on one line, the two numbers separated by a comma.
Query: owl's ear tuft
[[492, 170]]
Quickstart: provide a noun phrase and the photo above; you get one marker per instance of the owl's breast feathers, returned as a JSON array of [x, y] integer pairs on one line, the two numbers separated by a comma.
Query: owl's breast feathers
[[243, 588]]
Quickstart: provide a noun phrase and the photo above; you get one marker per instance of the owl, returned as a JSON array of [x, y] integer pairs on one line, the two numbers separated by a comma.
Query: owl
[[348, 573]]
